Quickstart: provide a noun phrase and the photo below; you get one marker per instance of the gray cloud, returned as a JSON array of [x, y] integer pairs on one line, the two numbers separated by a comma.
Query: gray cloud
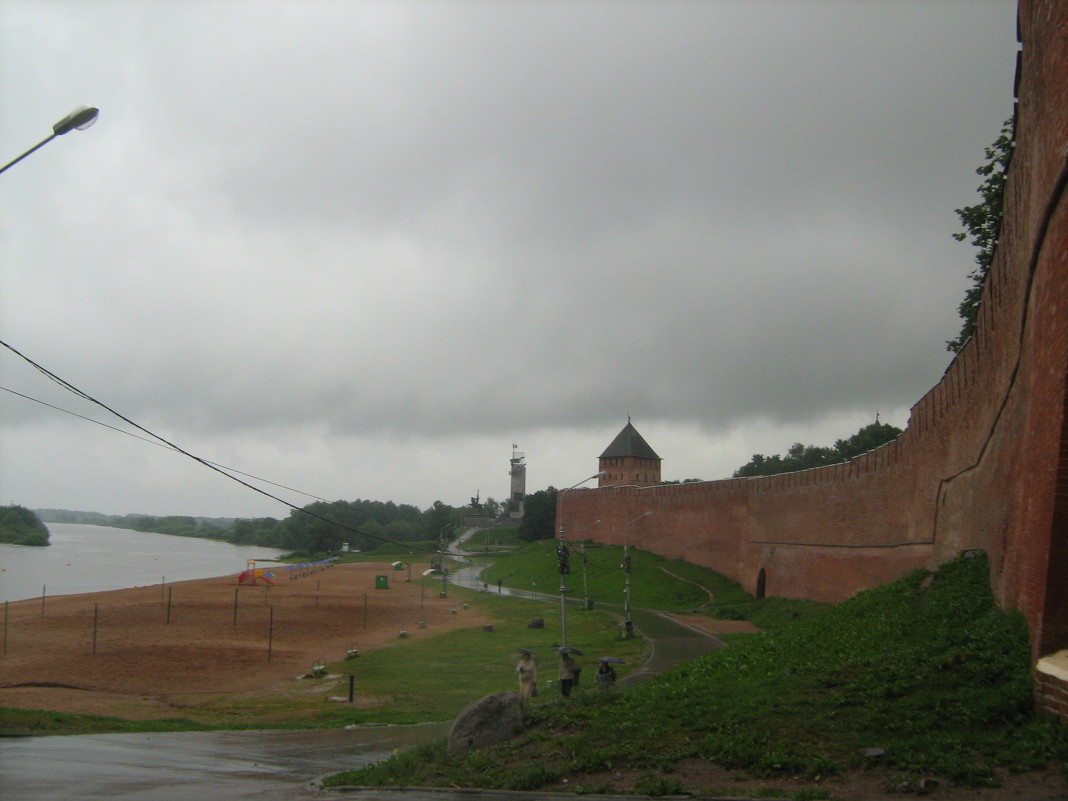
[[367, 246]]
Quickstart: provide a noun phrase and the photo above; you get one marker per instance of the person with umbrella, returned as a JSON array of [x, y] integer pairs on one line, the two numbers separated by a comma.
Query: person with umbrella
[[606, 674], [528, 675], [569, 670]]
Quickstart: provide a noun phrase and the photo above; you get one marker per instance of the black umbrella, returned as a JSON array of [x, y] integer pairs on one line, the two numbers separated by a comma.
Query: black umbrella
[[567, 649], [612, 659]]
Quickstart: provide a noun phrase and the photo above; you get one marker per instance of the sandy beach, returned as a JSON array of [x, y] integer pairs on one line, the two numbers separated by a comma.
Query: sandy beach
[[151, 651]]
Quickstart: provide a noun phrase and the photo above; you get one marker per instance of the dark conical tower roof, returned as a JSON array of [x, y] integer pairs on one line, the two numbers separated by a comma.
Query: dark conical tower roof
[[629, 443]]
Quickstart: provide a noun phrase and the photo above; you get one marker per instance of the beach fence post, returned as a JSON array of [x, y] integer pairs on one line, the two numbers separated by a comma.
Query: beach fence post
[[96, 620], [235, 606], [352, 687]]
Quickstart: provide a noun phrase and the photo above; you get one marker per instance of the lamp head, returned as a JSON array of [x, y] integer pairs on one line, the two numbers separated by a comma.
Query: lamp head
[[80, 119]]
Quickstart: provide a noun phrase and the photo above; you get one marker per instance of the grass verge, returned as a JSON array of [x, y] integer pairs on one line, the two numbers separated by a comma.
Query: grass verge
[[923, 677]]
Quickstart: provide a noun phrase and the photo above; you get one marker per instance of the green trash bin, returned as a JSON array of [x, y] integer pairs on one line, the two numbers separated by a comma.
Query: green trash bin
[[381, 582]]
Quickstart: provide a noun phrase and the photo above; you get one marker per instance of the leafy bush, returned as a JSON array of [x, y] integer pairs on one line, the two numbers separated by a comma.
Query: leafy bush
[[20, 526]]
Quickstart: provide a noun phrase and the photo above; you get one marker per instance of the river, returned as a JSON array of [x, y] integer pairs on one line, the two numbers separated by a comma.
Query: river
[[84, 558]]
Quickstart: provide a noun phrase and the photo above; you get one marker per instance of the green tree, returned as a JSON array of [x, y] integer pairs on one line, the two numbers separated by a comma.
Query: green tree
[[539, 516], [982, 222], [492, 508], [867, 439], [438, 520], [803, 457], [20, 526]]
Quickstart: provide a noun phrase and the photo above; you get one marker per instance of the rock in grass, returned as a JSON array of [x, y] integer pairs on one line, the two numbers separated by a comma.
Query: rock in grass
[[486, 722]]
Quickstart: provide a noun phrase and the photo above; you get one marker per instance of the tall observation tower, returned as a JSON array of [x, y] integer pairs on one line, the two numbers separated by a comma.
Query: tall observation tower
[[518, 472]]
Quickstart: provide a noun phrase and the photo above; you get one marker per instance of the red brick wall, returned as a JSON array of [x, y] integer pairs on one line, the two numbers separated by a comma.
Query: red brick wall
[[983, 461]]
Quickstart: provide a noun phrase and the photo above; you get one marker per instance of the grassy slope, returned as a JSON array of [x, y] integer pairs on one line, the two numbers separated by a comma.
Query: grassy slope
[[651, 588], [926, 669]]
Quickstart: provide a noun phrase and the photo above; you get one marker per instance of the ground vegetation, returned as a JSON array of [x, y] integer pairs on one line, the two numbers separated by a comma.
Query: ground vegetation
[[919, 686]]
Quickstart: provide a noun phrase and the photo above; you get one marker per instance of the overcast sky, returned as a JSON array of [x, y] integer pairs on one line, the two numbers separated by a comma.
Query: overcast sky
[[360, 249]]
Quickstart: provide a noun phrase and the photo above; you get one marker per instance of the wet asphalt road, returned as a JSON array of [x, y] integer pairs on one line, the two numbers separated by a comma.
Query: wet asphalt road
[[277, 765], [193, 765]]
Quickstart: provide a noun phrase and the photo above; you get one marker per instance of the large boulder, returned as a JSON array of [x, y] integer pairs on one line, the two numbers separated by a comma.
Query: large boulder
[[486, 722]]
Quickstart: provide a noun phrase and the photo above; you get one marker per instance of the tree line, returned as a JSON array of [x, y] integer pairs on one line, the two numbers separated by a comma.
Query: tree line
[[803, 457], [318, 528]]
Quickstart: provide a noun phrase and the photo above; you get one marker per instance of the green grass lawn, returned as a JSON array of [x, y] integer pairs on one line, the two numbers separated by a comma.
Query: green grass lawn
[[433, 679], [535, 568]]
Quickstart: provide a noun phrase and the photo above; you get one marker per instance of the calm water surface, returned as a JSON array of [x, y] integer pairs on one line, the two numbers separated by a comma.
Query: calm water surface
[[84, 558]]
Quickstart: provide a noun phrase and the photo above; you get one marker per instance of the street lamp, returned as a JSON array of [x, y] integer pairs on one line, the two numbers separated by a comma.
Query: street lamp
[[629, 624], [444, 550], [78, 120], [563, 557], [587, 604]]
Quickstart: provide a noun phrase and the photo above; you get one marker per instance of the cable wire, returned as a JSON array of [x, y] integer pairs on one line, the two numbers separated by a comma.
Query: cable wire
[[159, 444], [211, 466]]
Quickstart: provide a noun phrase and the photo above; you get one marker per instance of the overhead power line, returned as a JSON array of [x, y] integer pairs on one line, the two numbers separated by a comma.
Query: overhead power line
[[159, 444], [210, 465]]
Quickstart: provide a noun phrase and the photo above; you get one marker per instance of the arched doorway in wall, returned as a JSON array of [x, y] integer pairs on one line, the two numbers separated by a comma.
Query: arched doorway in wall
[[762, 583]]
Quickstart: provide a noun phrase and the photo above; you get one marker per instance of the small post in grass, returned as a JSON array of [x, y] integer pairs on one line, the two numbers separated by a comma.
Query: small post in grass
[[270, 635]]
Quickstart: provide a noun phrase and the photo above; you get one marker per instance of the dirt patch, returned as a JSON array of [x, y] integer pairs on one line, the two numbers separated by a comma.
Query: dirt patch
[[147, 653], [710, 625]]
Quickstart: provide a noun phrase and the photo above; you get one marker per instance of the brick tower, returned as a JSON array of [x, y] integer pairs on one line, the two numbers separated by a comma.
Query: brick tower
[[629, 461]]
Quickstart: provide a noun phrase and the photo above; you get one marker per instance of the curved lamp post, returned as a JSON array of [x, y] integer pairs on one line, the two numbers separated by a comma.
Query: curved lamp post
[[563, 556], [78, 120]]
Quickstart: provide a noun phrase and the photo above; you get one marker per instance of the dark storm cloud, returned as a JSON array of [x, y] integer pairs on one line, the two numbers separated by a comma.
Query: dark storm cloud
[[320, 233]]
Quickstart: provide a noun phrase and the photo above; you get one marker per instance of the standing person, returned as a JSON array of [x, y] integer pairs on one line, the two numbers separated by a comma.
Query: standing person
[[606, 675], [568, 670], [528, 676]]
